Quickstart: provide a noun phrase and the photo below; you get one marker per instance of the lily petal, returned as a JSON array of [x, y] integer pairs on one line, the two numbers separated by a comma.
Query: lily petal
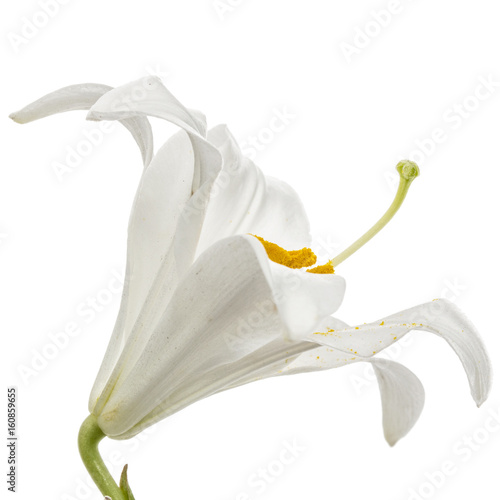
[[223, 310], [305, 299], [203, 327], [402, 393], [244, 201], [440, 317], [148, 97], [402, 397], [82, 97], [164, 189], [166, 218]]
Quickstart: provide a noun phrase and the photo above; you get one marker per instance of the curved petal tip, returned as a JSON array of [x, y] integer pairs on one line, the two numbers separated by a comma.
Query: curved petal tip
[[402, 396], [17, 117]]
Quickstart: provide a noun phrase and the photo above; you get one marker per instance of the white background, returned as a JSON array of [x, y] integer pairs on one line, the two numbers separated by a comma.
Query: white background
[[62, 239]]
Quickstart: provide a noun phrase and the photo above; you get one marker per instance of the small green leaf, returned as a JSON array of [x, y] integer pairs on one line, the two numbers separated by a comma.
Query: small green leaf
[[124, 486]]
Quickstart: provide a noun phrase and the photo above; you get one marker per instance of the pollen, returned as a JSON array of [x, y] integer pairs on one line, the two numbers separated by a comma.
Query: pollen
[[325, 334], [323, 269], [295, 259]]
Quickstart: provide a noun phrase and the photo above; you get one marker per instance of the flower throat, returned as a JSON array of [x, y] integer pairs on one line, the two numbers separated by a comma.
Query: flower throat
[[298, 259]]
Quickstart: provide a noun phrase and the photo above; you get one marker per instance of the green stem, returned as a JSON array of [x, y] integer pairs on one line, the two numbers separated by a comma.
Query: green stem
[[89, 437], [408, 171]]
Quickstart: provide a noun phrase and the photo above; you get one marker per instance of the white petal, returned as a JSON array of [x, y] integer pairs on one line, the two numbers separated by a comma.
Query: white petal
[[305, 299], [164, 190], [162, 193], [167, 217], [402, 397], [278, 358], [402, 393], [441, 317], [148, 96], [244, 201], [222, 310], [82, 97]]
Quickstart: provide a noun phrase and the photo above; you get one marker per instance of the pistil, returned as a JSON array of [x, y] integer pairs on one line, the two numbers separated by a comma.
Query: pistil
[[408, 171]]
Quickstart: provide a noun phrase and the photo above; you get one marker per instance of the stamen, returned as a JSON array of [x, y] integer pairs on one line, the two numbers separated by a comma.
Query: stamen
[[294, 259], [323, 269], [408, 171]]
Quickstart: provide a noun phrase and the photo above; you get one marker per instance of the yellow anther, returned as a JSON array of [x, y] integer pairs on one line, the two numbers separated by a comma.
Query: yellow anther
[[323, 269], [295, 259]]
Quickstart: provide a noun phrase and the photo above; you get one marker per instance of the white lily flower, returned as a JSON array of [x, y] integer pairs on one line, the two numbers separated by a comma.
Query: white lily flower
[[207, 305]]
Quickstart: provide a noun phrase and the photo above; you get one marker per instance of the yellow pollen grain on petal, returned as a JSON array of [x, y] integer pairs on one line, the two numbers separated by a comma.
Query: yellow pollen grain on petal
[[295, 259], [323, 269], [382, 324], [325, 334]]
